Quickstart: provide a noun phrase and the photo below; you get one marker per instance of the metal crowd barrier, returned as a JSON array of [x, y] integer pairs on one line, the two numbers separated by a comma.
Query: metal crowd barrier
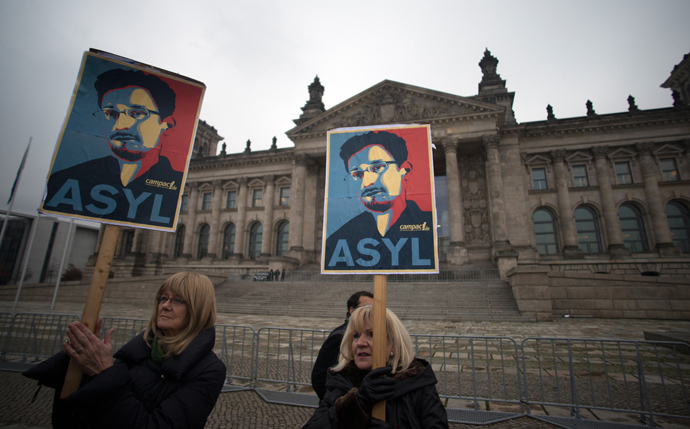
[[483, 379]]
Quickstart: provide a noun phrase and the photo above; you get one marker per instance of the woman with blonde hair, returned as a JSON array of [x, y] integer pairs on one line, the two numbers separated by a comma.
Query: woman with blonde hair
[[166, 377], [407, 384]]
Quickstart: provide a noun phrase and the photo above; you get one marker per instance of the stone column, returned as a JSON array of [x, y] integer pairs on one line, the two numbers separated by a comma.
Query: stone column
[[190, 225], [216, 200], [268, 216], [138, 241], [457, 252], [662, 232], [613, 225], [501, 250], [299, 179], [571, 245], [241, 205]]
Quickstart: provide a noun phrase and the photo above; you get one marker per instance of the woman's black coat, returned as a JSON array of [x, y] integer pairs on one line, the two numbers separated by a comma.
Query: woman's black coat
[[137, 393], [415, 403]]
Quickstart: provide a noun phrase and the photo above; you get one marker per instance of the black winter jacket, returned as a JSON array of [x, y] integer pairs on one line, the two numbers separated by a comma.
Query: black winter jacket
[[415, 404], [137, 393]]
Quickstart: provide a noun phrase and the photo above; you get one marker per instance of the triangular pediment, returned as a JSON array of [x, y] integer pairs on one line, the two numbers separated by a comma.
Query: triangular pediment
[[391, 103]]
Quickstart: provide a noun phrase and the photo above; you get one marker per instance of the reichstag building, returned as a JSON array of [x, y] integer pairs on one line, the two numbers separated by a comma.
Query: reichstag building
[[587, 215]]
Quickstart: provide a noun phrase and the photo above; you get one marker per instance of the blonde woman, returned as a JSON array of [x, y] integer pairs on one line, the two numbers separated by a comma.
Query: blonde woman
[[166, 377], [407, 384]]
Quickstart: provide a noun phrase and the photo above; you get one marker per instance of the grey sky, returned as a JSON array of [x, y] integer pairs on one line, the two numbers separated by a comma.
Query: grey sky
[[258, 57]]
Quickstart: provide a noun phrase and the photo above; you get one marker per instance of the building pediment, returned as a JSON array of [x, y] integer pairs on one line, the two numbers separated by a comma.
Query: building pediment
[[391, 102]]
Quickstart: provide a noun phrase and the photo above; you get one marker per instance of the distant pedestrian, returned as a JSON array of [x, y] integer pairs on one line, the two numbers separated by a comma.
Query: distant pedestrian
[[270, 274], [282, 275]]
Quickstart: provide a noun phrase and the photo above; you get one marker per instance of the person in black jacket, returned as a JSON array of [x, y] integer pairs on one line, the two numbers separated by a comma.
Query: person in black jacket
[[166, 377], [407, 384], [330, 350]]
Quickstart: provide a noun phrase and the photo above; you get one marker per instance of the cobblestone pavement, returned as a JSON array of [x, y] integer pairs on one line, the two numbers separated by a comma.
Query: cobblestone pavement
[[246, 409], [243, 409]]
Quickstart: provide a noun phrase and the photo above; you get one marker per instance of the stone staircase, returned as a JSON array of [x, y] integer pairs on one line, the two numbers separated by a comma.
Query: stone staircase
[[487, 300]]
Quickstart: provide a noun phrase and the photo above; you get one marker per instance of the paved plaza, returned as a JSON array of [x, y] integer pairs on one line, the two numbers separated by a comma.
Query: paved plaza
[[246, 409]]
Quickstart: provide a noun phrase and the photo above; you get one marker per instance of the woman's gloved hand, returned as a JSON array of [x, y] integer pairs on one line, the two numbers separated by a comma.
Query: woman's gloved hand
[[375, 388]]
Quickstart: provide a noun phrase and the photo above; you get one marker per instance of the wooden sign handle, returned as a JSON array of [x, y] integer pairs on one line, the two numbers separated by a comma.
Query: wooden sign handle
[[380, 352], [93, 301]]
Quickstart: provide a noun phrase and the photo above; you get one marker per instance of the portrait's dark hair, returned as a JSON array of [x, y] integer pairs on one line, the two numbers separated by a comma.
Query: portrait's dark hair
[[162, 94], [354, 299], [394, 144]]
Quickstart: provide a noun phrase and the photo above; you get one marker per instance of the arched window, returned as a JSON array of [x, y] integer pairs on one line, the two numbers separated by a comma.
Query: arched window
[[179, 241], [545, 232], [679, 221], [229, 241], [632, 226], [588, 230], [282, 238], [255, 235], [203, 241]]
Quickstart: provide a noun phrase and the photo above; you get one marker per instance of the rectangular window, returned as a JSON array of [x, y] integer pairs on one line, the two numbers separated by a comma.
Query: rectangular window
[[623, 175], [284, 196], [257, 198], [206, 201], [230, 202], [580, 176], [183, 203], [669, 170], [539, 178]]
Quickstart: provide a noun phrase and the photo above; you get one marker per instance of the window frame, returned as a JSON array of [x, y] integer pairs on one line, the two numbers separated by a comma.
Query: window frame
[[623, 178], [233, 200], [535, 181], [548, 245], [581, 181], [206, 200]]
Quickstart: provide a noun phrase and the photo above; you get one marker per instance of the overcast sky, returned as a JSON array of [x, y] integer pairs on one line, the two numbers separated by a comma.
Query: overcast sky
[[258, 57]]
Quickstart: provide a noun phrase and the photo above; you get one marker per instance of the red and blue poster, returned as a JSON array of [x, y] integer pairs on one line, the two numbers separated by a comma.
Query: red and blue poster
[[123, 152], [379, 211]]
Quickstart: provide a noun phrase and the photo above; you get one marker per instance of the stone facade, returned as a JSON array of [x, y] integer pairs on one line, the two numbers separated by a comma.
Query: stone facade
[[596, 195]]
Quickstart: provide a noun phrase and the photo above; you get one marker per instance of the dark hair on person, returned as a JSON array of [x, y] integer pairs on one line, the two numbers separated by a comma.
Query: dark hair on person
[[354, 299], [162, 94], [394, 144]]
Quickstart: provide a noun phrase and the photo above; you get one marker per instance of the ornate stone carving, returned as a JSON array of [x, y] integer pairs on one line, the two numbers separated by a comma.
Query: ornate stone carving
[[549, 113], [395, 106], [557, 155], [475, 200], [600, 151], [450, 145], [302, 159], [491, 141]]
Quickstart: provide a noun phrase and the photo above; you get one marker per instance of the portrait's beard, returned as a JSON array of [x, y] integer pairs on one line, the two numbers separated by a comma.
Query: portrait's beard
[[128, 155], [378, 206], [126, 139]]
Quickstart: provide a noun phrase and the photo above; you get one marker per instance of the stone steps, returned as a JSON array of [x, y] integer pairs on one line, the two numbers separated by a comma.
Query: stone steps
[[490, 300]]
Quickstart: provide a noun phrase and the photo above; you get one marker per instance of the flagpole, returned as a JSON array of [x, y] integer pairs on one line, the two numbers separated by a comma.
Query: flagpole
[[14, 187], [34, 227]]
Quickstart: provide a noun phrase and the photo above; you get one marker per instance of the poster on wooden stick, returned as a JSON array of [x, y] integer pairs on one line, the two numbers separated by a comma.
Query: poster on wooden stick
[[121, 158], [379, 211]]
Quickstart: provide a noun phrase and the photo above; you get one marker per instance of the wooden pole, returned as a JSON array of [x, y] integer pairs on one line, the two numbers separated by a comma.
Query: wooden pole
[[93, 301], [380, 356]]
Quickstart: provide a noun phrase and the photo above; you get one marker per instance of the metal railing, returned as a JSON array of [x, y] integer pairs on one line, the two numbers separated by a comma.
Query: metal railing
[[286, 356], [648, 379], [468, 275]]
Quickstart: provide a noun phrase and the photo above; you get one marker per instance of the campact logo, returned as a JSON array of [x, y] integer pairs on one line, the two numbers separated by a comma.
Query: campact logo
[[161, 184], [418, 227]]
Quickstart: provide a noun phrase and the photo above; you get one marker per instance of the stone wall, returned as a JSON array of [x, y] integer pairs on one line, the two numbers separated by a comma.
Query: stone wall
[[619, 296]]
